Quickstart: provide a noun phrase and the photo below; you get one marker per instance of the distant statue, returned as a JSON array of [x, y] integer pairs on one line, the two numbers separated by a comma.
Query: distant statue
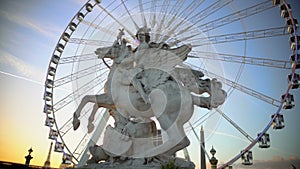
[[149, 81], [28, 157]]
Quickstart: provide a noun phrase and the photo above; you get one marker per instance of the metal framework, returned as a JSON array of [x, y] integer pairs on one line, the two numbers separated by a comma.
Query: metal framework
[[222, 21], [241, 36], [281, 64]]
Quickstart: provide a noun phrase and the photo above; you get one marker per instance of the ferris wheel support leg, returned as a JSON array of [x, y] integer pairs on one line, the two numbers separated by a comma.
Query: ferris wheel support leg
[[95, 137]]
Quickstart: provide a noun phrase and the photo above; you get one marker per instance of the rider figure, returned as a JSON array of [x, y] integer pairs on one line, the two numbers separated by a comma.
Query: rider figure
[[143, 37]]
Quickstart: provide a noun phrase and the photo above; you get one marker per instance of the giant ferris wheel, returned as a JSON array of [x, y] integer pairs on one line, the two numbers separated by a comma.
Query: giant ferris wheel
[[235, 42]]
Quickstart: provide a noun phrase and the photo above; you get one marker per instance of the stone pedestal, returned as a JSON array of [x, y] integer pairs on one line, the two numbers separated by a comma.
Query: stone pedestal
[[139, 164]]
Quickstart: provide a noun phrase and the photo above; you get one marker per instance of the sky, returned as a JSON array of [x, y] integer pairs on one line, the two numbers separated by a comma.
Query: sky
[[30, 30]]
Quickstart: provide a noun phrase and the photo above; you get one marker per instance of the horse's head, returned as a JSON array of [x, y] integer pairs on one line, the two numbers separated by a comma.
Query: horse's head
[[111, 52], [116, 52]]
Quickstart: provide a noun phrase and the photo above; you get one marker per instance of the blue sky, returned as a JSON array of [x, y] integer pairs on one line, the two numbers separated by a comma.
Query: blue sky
[[30, 30]]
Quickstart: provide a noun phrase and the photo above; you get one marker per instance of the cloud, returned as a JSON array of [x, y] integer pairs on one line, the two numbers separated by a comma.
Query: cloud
[[10, 64], [17, 68], [42, 28], [229, 135], [80, 2], [277, 162]]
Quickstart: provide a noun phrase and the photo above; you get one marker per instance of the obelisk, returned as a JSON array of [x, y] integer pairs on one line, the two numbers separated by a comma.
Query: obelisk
[[202, 149]]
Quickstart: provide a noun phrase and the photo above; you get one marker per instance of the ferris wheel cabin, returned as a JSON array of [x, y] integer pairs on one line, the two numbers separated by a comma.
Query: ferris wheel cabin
[[293, 42], [59, 147], [278, 122], [293, 59], [296, 81], [288, 102], [284, 10], [247, 158], [290, 25], [264, 141]]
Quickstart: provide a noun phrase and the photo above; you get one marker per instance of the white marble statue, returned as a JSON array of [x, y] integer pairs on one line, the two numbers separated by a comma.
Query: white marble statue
[[149, 81]]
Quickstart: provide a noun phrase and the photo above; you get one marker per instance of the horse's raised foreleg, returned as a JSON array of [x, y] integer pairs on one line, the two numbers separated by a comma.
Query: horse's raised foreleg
[[102, 100], [86, 99]]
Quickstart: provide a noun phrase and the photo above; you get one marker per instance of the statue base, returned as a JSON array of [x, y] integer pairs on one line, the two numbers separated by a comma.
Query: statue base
[[141, 164]]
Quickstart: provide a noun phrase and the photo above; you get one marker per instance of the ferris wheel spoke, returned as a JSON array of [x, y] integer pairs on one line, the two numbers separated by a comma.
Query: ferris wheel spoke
[[171, 12], [65, 128], [142, 13], [202, 119], [241, 36], [153, 13], [198, 122], [79, 74], [209, 10], [77, 58], [165, 7], [233, 37], [81, 145], [128, 13], [235, 125], [229, 18], [205, 13], [241, 88], [103, 29], [282, 64], [115, 19], [68, 125], [79, 92], [199, 16], [176, 8], [163, 11], [191, 8], [244, 13], [90, 42], [85, 143], [174, 13]]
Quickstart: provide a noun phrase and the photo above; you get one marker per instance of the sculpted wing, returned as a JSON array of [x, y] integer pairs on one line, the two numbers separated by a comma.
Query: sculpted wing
[[162, 59]]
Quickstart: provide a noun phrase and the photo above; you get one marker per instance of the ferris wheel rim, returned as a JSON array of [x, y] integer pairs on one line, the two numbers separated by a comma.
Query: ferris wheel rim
[[289, 86]]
